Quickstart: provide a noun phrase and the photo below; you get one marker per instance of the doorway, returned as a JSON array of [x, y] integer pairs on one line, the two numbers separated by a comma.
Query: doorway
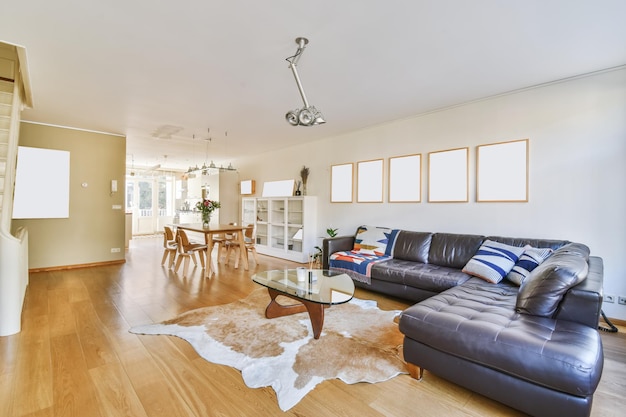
[[151, 200]]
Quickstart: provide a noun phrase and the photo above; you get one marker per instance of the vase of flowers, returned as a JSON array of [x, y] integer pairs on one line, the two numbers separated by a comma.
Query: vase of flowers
[[206, 207], [206, 218]]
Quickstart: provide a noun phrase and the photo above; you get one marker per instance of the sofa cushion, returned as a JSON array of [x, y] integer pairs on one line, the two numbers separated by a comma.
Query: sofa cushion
[[453, 250], [477, 321], [428, 277], [412, 246], [493, 261], [372, 240], [583, 302], [542, 291], [530, 259], [575, 248]]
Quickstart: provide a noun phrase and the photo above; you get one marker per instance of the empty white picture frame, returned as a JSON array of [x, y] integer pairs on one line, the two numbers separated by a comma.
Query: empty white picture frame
[[341, 183], [247, 187], [502, 172], [370, 181], [448, 176], [282, 188], [405, 179], [42, 184]]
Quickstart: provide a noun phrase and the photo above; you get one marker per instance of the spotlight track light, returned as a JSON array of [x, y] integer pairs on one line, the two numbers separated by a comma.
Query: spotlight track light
[[292, 117], [308, 115]]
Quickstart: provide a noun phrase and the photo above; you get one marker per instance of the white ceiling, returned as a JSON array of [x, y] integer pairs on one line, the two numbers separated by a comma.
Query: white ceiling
[[133, 67]]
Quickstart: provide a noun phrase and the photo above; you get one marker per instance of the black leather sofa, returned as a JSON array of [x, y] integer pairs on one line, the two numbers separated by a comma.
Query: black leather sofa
[[535, 347]]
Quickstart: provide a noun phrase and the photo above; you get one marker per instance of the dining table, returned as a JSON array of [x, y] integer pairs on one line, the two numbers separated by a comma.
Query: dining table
[[217, 229]]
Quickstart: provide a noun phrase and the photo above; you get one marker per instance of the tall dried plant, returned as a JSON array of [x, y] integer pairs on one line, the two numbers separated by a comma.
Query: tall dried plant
[[304, 174]]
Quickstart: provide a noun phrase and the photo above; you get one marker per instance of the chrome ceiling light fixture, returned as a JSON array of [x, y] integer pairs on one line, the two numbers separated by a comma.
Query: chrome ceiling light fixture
[[211, 168], [204, 170], [308, 115], [230, 166]]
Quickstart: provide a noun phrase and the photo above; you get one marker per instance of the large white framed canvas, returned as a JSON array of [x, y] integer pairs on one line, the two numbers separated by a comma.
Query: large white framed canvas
[[448, 176], [405, 180], [502, 172], [370, 181], [341, 183], [42, 184]]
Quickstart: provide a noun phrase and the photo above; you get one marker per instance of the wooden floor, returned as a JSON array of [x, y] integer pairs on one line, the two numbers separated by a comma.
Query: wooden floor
[[75, 356]]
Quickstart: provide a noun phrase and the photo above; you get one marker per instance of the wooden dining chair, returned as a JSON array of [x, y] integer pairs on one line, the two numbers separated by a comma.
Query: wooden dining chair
[[188, 250], [249, 242], [222, 240], [169, 247]]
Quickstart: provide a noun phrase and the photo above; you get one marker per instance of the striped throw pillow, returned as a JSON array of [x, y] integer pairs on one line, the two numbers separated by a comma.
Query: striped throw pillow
[[530, 259], [493, 261]]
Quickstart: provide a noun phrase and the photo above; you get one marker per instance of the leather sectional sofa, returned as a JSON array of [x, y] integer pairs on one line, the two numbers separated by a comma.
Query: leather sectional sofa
[[533, 347]]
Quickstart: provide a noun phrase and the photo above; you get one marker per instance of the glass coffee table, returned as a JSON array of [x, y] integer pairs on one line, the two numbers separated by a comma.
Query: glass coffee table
[[315, 290]]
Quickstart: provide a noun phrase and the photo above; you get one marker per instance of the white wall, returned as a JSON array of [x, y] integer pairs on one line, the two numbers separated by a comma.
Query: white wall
[[577, 175]]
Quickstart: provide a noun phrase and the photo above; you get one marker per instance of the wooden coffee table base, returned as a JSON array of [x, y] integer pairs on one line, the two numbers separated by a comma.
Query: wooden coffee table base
[[315, 310]]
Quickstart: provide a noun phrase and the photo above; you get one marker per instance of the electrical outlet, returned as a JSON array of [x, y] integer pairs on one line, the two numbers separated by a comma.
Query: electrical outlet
[[621, 299], [117, 250], [609, 298]]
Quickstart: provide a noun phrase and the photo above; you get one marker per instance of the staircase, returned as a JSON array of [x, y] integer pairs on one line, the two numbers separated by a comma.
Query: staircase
[[6, 106], [14, 95]]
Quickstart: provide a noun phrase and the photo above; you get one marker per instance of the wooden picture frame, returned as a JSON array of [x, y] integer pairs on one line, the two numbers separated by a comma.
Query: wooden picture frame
[[448, 176], [370, 181], [405, 179], [247, 187], [502, 172], [341, 183]]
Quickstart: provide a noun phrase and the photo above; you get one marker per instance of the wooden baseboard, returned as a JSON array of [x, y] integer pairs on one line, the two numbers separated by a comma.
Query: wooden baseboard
[[616, 322], [64, 267]]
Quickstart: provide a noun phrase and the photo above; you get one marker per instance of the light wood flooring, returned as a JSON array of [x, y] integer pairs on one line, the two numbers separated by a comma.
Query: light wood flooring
[[75, 356]]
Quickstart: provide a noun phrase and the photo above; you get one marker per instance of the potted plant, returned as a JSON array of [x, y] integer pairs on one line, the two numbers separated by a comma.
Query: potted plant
[[317, 256]]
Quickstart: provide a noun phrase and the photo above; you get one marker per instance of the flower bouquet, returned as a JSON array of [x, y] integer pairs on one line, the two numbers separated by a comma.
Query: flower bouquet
[[206, 207]]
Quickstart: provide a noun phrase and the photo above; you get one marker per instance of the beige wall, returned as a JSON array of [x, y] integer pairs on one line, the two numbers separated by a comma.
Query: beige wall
[[93, 226], [577, 184]]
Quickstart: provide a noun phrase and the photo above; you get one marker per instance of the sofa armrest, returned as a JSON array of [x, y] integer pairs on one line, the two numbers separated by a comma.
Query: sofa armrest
[[331, 245], [583, 303]]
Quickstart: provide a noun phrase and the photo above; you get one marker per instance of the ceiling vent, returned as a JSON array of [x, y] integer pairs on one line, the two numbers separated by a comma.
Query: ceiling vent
[[166, 131]]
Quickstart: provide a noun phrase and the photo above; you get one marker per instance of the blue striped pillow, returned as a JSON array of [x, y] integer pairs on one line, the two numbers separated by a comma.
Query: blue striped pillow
[[530, 259], [493, 261]]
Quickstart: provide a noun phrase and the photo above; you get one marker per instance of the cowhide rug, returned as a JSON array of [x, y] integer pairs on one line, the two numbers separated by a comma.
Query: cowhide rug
[[359, 343]]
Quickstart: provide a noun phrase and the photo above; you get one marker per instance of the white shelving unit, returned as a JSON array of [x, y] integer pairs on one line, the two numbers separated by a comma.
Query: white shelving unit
[[285, 226]]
